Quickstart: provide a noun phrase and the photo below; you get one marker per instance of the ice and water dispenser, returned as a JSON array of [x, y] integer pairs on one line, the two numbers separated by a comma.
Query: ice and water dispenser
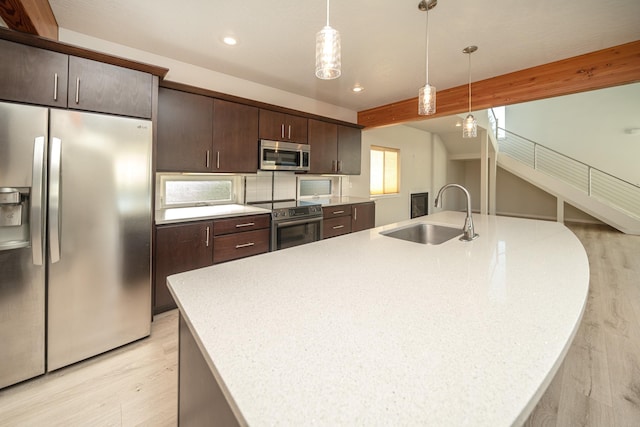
[[14, 218]]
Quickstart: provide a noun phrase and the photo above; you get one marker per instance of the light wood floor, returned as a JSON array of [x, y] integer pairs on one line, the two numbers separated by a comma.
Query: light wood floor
[[130, 386], [597, 385]]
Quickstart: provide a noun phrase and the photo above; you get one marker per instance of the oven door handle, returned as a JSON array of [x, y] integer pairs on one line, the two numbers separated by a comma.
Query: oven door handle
[[297, 222]]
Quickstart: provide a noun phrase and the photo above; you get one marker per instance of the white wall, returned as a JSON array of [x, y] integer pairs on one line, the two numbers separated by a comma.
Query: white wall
[[589, 127], [514, 196], [182, 72], [415, 169]]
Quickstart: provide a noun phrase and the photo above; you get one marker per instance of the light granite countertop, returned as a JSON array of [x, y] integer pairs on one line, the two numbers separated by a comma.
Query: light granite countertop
[[198, 213], [365, 329], [201, 213], [336, 200]]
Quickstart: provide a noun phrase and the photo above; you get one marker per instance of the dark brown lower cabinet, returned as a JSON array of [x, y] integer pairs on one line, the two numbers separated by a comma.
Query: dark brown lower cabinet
[[179, 248], [363, 216], [343, 219], [240, 245], [187, 246], [333, 227]]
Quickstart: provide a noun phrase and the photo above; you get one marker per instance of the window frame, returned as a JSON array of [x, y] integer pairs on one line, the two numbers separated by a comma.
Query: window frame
[[384, 150]]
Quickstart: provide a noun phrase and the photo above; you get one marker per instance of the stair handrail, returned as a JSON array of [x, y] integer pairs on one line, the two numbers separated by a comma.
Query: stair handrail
[[568, 157], [593, 181]]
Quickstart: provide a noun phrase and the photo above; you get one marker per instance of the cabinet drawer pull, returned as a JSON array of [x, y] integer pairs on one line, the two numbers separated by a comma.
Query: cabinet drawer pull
[[289, 137], [245, 245], [337, 212], [208, 159], [355, 214], [337, 227], [217, 160], [77, 90], [282, 130], [55, 86], [247, 224], [207, 241]]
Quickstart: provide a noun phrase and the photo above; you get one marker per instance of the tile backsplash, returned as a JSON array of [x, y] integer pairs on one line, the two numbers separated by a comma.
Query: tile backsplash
[[265, 186]]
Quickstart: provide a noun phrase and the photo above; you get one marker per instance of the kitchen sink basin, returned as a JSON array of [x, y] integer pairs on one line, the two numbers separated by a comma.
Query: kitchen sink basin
[[428, 234]]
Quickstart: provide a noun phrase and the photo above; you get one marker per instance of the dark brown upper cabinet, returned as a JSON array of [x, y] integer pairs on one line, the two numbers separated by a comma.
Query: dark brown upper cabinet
[[38, 76], [349, 150], [32, 75], [235, 137], [185, 132], [334, 148], [282, 127], [105, 88], [323, 140]]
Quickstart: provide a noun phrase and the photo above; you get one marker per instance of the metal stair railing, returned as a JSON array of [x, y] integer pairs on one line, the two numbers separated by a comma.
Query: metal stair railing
[[605, 187]]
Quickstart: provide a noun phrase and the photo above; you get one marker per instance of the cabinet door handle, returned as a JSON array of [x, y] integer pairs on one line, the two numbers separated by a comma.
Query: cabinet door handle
[[337, 212], [333, 166], [339, 163], [246, 224], [336, 227], [217, 160], [77, 90], [207, 241], [208, 159], [282, 130], [289, 137], [55, 86], [245, 245], [355, 214]]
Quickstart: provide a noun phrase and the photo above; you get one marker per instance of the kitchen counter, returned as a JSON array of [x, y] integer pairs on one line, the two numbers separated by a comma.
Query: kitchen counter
[[176, 215], [373, 330], [335, 201]]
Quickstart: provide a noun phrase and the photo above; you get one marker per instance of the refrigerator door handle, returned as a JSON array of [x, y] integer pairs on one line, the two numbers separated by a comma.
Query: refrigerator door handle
[[54, 200], [36, 227]]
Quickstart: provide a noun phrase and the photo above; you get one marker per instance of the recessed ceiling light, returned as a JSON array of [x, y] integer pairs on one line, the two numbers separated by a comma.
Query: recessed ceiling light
[[357, 89], [231, 41]]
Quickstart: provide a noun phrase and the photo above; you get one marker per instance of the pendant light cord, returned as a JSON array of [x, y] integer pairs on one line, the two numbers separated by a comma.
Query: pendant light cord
[[469, 82], [327, 13], [427, 44]]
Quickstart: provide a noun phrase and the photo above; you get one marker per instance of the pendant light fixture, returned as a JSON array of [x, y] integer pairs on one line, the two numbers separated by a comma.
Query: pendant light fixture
[[427, 93], [469, 126], [328, 52]]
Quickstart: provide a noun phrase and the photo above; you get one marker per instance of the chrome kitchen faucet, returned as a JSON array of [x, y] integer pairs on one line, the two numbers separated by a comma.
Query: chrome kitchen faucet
[[467, 228]]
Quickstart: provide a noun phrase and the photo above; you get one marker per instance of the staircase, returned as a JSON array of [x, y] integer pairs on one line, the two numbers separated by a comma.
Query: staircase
[[605, 197]]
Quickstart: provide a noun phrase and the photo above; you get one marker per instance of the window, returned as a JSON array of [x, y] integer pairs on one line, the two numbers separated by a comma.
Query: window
[[315, 187], [195, 190], [385, 169]]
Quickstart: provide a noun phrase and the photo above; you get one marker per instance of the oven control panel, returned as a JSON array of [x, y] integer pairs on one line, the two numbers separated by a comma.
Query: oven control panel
[[298, 212]]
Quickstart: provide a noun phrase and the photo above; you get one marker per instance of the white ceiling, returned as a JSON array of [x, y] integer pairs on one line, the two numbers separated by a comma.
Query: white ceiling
[[383, 41]]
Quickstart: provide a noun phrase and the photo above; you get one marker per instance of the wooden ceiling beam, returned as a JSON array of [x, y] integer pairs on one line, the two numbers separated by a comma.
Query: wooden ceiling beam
[[30, 16], [597, 70]]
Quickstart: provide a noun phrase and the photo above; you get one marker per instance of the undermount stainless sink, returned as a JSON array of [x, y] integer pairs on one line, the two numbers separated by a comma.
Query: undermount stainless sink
[[428, 234]]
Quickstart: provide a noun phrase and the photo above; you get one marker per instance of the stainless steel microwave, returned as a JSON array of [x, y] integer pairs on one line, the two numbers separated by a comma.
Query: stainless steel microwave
[[284, 156]]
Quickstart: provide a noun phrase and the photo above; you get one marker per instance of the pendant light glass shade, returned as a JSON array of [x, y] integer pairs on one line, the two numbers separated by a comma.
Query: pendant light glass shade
[[427, 100], [427, 93], [469, 126], [328, 62]]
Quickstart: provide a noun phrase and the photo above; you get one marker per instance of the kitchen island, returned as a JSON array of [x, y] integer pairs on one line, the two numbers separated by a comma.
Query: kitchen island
[[371, 330]]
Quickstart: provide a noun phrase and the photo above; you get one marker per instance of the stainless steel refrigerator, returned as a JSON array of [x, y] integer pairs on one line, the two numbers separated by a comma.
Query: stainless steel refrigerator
[[75, 231]]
